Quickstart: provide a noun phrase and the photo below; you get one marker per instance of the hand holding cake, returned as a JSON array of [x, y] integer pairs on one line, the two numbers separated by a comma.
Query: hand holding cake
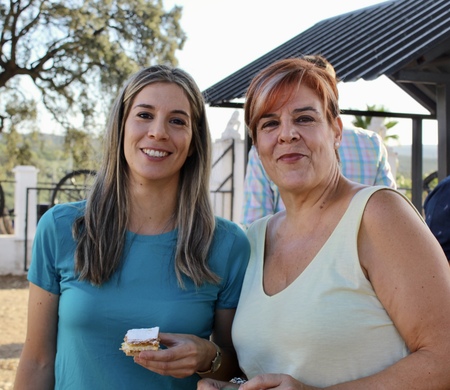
[[182, 355]]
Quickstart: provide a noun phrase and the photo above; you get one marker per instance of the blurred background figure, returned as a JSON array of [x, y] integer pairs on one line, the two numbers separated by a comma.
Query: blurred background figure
[[437, 213]]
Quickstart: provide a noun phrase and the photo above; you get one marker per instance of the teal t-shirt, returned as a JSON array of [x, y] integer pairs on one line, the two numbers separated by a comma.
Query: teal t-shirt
[[144, 293]]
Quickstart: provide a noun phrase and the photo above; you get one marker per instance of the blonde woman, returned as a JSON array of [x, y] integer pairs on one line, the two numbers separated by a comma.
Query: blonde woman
[[144, 250]]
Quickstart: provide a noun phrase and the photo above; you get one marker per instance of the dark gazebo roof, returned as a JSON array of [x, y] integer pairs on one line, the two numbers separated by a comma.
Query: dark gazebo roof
[[408, 41]]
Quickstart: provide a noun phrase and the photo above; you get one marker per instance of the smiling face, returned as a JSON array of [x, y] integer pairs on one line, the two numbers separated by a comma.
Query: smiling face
[[296, 143], [158, 133]]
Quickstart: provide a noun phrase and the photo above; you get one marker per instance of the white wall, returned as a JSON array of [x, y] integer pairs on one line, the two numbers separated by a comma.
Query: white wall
[[12, 247]]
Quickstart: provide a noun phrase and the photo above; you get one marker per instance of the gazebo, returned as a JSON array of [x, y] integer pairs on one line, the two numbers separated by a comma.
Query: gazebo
[[408, 41]]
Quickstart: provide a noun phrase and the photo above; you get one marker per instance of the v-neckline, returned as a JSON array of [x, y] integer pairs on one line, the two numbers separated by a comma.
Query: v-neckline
[[313, 260]]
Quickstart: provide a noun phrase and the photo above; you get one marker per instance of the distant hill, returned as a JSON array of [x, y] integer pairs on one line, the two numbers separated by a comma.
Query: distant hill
[[49, 157], [404, 159]]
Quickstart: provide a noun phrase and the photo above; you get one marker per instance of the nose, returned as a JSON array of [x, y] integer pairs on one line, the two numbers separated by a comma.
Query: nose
[[288, 133], [157, 129]]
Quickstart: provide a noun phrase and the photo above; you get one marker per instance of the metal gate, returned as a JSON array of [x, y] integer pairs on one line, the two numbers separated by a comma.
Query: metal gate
[[222, 190]]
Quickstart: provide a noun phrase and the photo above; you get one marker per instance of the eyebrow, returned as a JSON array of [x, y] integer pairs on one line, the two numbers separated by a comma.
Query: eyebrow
[[296, 111], [307, 108], [150, 107]]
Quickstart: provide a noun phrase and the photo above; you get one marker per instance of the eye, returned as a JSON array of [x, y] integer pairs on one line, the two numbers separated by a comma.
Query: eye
[[145, 115], [179, 121], [304, 119], [268, 124]]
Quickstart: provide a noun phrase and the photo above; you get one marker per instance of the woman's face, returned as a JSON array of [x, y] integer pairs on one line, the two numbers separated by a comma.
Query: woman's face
[[158, 133], [295, 142]]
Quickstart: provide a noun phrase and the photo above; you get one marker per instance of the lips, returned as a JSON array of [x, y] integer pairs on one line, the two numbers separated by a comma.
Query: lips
[[155, 153], [291, 156]]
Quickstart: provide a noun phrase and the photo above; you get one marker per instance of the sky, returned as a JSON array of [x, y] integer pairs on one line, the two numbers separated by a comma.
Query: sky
[[225, 35]]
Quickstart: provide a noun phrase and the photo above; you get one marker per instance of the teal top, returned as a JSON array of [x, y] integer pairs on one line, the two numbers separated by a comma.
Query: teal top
[[143, 293]]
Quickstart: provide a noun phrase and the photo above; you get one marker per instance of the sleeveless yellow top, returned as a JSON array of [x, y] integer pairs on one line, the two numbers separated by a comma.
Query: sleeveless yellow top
[[328, 326]]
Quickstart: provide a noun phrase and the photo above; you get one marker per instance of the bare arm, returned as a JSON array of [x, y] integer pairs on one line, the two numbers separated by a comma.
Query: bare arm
[[411, 277], [222, 337], [36, 365]]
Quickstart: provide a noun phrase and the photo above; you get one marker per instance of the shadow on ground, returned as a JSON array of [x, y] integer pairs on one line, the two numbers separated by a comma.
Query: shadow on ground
[[10, 351]]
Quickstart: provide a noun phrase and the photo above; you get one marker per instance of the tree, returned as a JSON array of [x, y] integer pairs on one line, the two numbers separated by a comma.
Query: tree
[[83, 149], [79, 52], [17, 150], [365, 122]]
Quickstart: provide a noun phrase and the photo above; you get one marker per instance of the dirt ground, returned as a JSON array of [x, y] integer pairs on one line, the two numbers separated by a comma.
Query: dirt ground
[[13, 313]]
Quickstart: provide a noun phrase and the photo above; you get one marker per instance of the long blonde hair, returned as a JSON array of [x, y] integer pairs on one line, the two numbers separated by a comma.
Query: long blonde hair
[[101, 231]]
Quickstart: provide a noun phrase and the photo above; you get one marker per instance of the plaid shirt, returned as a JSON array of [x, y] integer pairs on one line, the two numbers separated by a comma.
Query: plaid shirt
[[364, 159]]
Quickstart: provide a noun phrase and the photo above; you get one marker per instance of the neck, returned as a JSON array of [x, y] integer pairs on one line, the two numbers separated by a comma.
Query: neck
[[152, 212], [152, 223], [330, 191], [309, 205], [306, 218]]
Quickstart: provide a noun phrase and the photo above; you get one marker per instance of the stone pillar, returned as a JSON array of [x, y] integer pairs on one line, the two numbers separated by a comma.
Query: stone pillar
[[25, 177]]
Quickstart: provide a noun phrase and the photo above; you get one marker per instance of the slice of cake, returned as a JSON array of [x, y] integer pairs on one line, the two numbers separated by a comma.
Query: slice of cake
[[137, 340]]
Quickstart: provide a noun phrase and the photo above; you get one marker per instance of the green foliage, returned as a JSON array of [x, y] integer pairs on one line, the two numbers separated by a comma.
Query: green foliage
[[17, 108], [17, 150], [81, 148], [54, 156], [404, 184], [365, 121], [78, 53]]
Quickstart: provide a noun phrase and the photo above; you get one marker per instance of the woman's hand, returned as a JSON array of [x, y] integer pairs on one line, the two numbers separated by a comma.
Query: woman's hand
[[275, 381], [185, 355], [213, 384]]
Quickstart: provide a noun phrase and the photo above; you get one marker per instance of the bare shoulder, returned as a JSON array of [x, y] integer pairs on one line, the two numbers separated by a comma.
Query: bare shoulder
[[393, 234], [386, 197], [389, 207]]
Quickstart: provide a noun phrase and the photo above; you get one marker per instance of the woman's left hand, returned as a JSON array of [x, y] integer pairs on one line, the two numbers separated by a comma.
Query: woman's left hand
[[275, 381], [185, 354]]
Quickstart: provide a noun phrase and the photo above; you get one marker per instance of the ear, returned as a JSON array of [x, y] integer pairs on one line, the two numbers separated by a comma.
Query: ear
[[338, 126]]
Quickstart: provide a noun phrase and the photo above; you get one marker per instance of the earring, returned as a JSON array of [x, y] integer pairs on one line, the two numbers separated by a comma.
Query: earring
[[336, 144]]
